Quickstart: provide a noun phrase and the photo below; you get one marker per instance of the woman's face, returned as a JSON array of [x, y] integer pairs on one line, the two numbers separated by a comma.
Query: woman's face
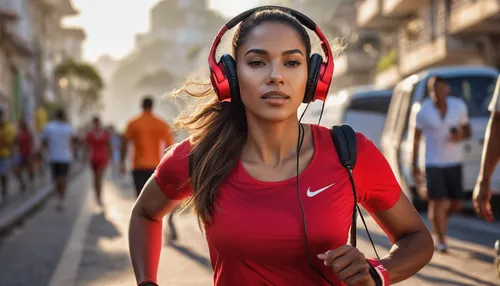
[[272, 72]]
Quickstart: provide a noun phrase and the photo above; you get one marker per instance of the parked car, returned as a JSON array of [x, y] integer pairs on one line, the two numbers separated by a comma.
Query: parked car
[[475, 85], [364, 108]]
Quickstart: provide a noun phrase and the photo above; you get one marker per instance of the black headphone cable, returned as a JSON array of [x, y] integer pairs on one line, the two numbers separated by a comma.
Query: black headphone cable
[[300, 140]]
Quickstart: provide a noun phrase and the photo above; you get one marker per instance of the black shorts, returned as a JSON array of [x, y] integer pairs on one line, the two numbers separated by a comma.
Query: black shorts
[[444, 182], [59, 169], [141, 176]]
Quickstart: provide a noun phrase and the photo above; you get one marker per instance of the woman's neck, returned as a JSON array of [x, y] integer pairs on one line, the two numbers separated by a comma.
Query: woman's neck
[[271, 143]]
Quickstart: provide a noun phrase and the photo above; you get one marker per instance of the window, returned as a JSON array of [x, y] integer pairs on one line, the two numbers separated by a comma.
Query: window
[[476, 91], [401, 128], [393, 111], [376, 104]]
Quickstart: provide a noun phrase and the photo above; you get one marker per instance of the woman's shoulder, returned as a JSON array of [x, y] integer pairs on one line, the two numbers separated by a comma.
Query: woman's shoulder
[[185, 144], [173, 171], [181, 148], [325, 133]]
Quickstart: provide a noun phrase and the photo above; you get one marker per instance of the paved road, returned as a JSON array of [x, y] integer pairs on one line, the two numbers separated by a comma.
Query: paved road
[[85, 246]]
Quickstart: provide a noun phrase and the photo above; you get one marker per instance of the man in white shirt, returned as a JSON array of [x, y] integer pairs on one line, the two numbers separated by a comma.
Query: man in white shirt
[[444, 122], [58, 139], [491, 156]]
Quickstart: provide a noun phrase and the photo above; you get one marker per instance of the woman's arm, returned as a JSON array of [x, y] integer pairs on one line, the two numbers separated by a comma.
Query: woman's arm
[[145, 232], [381, 195], [413, 246]]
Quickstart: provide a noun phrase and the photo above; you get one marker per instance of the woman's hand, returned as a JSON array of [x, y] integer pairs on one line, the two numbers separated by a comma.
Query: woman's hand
[[349, 264]]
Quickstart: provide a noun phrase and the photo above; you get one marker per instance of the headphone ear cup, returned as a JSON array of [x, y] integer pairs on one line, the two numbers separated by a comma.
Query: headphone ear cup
[[314, 69], [229, 65]]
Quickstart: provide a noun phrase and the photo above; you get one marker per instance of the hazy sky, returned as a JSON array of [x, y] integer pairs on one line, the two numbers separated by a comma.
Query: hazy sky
[[110, 25]]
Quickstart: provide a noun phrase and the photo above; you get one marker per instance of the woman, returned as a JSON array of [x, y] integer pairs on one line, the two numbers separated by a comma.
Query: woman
[[240, 168], [98, 142], [24, 154]]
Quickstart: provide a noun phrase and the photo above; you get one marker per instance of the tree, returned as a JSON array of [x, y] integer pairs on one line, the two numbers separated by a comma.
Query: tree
[[82, 83]]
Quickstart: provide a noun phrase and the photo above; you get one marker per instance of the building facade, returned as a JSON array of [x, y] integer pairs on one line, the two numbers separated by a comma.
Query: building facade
[[355, 64], [16, 54], [7, 16], [30, 37], [423, 34], [176, 45]]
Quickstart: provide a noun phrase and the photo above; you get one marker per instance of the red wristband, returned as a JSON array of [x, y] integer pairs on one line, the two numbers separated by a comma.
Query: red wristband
[[147, 283], [381, 271]]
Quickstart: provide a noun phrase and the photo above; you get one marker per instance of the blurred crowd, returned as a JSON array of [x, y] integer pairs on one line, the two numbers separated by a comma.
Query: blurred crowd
[[24, 156]]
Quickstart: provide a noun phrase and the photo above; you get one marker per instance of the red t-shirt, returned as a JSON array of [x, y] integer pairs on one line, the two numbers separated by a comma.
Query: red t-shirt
[[257, 238], [25, 142], [99, 144]]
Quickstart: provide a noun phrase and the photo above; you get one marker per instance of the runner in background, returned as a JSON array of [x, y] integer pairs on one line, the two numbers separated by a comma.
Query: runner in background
[[99, 147], [444, 122], [41, 120], [24, 154], [115, 150], [7, 139], [59, 140], [149, 135]]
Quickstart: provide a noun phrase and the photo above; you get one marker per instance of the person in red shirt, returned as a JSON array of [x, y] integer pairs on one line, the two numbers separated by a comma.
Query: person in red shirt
[[273, 198], [98, 143], [25, 154]]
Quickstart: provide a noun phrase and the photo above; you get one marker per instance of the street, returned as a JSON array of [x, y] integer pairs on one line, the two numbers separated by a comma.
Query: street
[[84, 246]]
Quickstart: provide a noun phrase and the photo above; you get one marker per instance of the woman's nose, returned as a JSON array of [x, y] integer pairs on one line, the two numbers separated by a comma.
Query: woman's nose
[[276, 75]]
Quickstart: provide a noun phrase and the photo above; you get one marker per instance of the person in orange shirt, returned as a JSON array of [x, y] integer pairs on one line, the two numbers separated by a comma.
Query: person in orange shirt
[[149, 135]]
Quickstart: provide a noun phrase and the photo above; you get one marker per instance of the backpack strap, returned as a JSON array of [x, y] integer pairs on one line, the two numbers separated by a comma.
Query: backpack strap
[[344, 139]]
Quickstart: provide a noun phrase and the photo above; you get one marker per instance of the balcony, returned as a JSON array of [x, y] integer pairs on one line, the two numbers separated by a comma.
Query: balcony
[[400, 8], [369, 15], [66, 8], [62, 7], [7, 13], [443, 50], [388, 74], [50, 3], [475, 17]]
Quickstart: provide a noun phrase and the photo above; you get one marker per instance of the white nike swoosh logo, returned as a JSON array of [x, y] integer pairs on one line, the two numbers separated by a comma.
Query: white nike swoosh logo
[[312, 194]]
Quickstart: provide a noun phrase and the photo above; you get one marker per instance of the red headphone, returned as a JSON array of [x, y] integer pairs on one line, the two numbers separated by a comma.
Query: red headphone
[[223, 73]]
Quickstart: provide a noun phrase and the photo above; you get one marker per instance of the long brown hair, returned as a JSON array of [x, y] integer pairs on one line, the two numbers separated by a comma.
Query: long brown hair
[[218, 130]]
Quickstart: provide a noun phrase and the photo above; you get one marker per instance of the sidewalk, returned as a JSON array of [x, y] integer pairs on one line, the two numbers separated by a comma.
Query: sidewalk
[[103, 256], [20, 204]]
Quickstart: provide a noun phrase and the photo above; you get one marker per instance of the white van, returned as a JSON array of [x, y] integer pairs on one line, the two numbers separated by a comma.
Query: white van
[[473, 84], [363, 108]]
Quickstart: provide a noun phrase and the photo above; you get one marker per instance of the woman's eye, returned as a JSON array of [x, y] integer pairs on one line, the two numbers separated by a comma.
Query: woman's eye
[[292, 63], [255, 63]]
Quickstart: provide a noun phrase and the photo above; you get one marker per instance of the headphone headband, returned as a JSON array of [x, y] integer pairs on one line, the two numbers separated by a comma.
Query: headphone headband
[[303, 19], [217, 75]]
